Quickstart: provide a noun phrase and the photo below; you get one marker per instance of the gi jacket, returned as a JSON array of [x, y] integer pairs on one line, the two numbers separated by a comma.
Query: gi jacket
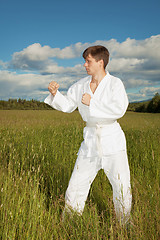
[[102, 134]]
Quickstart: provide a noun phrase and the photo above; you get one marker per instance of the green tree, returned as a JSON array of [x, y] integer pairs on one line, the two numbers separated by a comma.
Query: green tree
[[154, 105]]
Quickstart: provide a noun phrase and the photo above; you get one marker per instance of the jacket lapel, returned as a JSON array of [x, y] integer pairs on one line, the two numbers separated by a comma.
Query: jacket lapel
[[101, 85]]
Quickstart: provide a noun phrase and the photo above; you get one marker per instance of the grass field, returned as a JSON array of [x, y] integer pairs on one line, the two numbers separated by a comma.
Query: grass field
[[38, 150]]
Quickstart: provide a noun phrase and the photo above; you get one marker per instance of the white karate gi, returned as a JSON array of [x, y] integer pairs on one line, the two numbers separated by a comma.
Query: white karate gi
[[104, 145]]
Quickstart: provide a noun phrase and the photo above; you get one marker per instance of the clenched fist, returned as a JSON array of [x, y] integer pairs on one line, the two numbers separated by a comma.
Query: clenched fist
[[86, 98], [53, 87]]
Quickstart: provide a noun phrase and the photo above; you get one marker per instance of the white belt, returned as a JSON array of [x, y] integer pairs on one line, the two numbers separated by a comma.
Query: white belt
[[98, 128]]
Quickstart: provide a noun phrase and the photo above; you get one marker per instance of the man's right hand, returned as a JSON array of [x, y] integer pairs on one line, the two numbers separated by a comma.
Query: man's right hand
[[53, 87]]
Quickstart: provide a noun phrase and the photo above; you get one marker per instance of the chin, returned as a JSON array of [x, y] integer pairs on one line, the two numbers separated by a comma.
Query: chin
[[89, 73]]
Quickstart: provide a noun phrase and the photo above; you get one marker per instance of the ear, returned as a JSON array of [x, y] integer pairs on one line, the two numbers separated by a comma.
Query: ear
[[101, 63]]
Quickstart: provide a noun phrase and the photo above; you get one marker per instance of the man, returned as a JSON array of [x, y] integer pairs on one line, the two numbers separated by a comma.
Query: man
[[101, 100]]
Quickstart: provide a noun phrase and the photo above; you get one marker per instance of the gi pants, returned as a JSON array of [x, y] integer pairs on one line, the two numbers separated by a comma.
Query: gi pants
[[85, 170]]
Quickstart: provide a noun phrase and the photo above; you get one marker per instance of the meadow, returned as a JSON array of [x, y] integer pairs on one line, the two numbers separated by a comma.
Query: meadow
[[38, 150]]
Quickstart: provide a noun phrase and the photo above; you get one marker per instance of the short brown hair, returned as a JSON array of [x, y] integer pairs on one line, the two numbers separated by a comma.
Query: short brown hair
[[97, 52]]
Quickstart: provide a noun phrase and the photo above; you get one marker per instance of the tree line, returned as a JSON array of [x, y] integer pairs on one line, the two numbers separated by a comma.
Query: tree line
[[23, 104], [152, 106]]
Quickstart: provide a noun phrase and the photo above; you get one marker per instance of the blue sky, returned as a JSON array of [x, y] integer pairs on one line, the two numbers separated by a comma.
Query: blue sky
[[41, 41]]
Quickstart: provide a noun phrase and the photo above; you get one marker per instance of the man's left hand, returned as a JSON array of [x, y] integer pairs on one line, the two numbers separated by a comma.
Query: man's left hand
[[86, 98]]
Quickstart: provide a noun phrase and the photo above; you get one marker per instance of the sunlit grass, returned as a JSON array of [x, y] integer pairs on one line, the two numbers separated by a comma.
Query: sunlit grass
[[37, 155]]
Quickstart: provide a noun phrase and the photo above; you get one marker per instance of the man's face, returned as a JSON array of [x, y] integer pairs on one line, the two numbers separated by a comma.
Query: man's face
[[92, 66]]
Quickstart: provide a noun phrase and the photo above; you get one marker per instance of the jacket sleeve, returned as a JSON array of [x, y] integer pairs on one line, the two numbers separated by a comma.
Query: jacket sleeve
[[114, 107], [63, 103]]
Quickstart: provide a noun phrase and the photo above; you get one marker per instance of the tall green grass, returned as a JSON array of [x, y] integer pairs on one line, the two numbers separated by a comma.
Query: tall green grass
[[38, 150]]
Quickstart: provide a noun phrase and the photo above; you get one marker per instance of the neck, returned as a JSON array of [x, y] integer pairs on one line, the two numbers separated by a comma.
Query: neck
[[97, 78]]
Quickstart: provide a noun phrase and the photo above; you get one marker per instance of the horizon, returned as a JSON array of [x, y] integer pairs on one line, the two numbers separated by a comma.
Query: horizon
[[43, 101]]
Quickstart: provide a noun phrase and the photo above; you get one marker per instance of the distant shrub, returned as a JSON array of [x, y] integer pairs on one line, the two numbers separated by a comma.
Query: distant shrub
[[152, 106]]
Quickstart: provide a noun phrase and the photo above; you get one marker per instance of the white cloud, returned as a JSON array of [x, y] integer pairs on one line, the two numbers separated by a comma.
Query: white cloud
[[149, 91], [133, 97], [136, 62], [52, 68], [35, 52], [124, 64], [3, 64], [128, 56], [137, 82], [131, 48], [144, 93], [31, 85]]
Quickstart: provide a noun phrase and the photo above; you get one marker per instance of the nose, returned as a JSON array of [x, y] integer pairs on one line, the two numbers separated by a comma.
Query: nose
[[85, 64]]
